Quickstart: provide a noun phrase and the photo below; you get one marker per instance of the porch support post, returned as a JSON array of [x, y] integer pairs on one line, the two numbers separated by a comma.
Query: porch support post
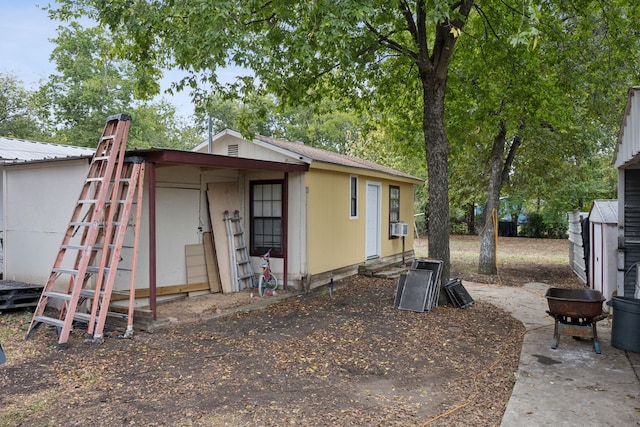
[[152, 240], [285, 230]]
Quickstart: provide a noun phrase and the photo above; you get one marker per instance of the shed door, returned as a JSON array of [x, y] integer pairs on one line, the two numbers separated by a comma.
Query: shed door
[[597, 254], [177, 217], [373, 227]]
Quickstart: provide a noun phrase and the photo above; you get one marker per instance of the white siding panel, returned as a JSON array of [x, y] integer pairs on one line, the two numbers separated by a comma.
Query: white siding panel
[[576, 248], [629, 140], [40, 200], [634, 123]]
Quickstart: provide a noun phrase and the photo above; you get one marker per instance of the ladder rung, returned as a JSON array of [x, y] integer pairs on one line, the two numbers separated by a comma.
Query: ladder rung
[[242, 262], [246, 276], [73, 272], [73, 247], [82, 317], [116, 314], [49, 321], [99, 246], [87, 201], [100, 158], [241, 248], [80, 224], [89, 293], [65, 271], [107, 137], [85, 317], [95, 269], [58, 295]]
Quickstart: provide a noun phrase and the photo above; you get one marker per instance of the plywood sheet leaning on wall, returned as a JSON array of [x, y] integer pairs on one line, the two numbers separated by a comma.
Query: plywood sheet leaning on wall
[[212, 263], [222, 196], [196, 265]]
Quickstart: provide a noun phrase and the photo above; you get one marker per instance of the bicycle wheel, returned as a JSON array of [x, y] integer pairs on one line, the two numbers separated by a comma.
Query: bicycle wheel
[[261, 285], [272, 283]]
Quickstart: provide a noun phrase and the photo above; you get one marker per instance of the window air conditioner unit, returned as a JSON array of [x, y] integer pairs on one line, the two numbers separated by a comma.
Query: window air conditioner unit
[[399, 229]]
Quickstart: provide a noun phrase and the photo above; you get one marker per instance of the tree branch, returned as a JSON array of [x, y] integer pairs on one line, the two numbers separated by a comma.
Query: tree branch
[[411, 25], [515, 144], [421, 42], [445, 41], [390, 43]]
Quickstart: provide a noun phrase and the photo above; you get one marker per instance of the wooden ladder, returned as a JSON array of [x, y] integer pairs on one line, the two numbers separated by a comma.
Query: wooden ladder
[[241, 268], [93, 240]]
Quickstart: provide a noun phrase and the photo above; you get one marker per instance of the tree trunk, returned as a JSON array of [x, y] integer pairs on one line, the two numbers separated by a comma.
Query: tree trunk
[[433, 67], [500, 166], [438, 175]]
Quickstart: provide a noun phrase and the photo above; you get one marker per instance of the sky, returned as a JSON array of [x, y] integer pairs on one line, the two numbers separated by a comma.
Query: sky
[[25, 47]]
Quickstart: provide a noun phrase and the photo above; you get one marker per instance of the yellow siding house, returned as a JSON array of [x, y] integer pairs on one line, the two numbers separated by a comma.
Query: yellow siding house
[[336, 216]]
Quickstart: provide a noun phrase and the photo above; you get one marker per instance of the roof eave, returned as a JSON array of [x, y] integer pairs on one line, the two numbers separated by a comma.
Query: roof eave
[[283, 151], [213, 160], [372, 172]]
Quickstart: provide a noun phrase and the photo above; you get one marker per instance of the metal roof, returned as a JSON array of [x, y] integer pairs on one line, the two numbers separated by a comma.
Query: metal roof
[[18, 150], [628, 145], [604, 211]]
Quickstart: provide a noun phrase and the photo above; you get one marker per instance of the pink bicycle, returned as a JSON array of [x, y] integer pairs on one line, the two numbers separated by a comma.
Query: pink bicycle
[[268, 281]]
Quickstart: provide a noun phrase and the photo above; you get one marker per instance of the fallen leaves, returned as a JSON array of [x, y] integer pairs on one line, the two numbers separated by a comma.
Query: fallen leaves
[[350, 359]]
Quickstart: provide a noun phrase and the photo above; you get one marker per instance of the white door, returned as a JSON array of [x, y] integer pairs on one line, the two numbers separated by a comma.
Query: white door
[[597, 253], [177, 217], [373, 222]]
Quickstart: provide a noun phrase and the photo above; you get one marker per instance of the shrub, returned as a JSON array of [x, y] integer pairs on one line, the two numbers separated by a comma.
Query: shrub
[[537, 225]]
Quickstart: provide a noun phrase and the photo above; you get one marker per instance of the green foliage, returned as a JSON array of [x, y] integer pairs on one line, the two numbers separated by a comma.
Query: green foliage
[[17, 114], [92, 85], [557, 87], [553, 73], [539, 225]]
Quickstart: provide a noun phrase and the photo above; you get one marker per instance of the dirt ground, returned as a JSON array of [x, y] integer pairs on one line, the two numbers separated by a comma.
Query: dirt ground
[[350, 358]]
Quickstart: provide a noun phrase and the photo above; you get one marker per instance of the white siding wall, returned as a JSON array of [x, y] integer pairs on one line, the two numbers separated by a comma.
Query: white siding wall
[[576, 249], [40, 199]]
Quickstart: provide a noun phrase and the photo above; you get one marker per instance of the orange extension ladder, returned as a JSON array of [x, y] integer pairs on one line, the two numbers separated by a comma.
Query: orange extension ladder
[[92, 245]]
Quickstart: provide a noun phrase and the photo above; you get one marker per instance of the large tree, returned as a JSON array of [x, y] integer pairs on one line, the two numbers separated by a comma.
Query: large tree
[[540, 113], [302, 51]]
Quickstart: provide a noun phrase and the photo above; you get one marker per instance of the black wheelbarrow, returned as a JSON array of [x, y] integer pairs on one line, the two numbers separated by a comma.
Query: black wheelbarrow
[[576, 312]]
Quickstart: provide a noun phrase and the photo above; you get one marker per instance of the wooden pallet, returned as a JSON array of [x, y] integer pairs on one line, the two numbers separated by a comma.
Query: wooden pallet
[[14, 295]]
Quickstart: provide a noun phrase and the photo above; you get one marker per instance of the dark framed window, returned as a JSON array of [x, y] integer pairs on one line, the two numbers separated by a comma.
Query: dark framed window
[[394, 207], [353, 196], [266, 217]]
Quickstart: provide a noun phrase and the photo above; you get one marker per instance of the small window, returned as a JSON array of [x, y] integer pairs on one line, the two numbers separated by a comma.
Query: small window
[[266, 217], [394, 207], [353, 196]]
